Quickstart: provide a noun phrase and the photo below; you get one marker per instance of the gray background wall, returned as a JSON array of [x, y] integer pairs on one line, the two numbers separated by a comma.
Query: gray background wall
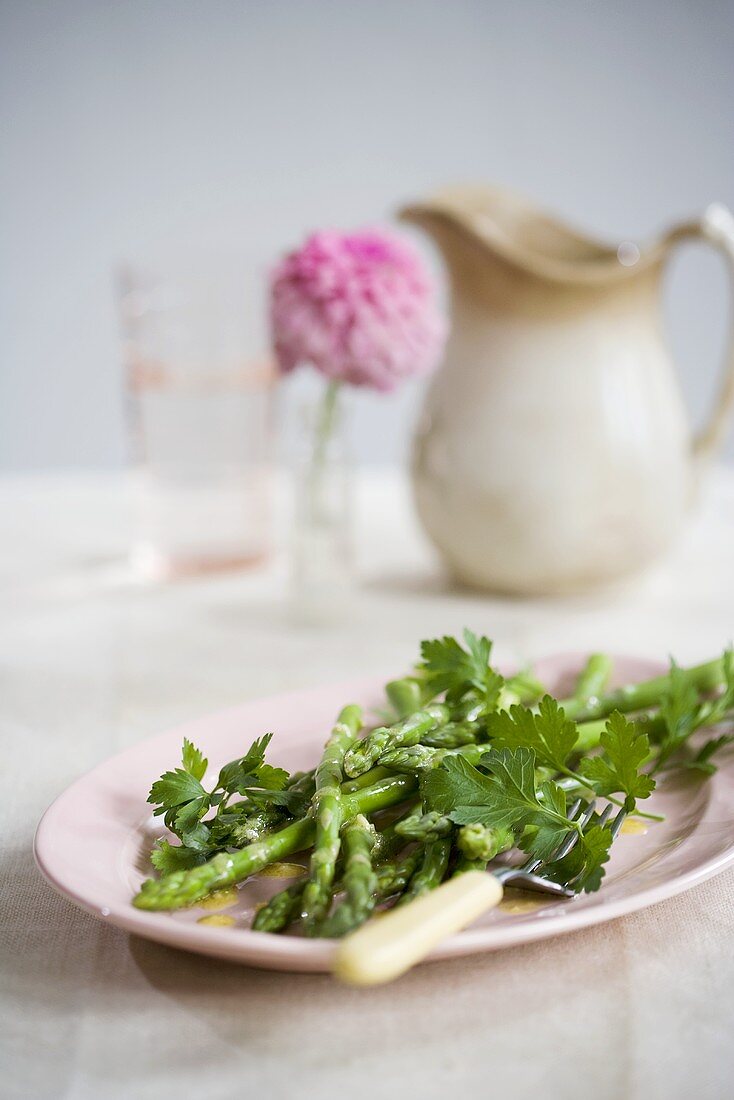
[[128, 124]]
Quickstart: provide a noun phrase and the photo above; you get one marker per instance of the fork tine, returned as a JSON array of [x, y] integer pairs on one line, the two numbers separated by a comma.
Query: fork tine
[[618, 822], [570, 841], [606, 814], [584, 820]]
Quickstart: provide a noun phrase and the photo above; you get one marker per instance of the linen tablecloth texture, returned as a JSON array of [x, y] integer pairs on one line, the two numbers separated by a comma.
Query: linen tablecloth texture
[[90, 663]]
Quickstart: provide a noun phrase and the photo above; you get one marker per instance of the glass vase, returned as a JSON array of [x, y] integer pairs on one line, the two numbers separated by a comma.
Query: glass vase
[[322, 558]]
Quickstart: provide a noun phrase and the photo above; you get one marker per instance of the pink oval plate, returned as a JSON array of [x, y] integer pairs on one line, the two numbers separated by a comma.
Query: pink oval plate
[[92, 843]]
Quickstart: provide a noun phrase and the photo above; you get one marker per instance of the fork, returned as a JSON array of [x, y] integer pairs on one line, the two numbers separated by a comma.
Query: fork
[[389, 946], [524, 878]]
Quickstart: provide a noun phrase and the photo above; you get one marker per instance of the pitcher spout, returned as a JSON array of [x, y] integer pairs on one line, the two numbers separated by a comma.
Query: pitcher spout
[[474, 222]]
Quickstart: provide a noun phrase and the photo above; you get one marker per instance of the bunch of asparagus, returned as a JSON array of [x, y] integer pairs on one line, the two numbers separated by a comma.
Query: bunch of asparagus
[[470, 765]]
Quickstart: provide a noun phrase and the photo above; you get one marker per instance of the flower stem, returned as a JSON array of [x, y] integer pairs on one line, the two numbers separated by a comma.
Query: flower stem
[[325, 421], [324, 429]]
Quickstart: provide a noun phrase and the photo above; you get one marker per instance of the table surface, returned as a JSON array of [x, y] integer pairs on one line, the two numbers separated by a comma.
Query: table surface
[[91, 661]]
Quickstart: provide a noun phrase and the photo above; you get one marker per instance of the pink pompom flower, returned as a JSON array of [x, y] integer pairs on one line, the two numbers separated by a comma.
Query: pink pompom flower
[[361, 307]]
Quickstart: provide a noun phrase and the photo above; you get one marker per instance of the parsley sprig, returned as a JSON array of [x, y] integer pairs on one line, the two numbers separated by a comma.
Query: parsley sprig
[[553, 737], [508, 798], [463, 673], [182, 800], [684, 712]]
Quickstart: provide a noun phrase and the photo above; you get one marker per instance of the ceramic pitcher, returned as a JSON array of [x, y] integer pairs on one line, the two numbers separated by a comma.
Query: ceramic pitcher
[[554, 452]]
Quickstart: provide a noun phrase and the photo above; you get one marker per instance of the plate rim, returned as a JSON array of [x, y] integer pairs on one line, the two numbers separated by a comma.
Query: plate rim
[[290, 953]]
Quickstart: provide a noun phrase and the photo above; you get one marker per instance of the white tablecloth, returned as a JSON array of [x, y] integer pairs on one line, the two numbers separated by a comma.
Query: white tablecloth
[[90, 663]]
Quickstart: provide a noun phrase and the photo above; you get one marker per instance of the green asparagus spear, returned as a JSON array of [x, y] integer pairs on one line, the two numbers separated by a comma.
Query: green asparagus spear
[[360, 880], [476, 849], [365, 755], [417, 758], [305, 784], [452, 735], [359, 876], [301, 781], [365, 780], [646, 694], [464, 864], [424, 827], [406, 696], [183, 888], [525, 687], [388, 841], [282, 909], [593, 678], [431, 871], [480, 842], [328, 814], [391, 878]]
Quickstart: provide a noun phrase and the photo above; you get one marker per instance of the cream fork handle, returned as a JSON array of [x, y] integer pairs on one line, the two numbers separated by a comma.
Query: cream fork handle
[[385, 948]]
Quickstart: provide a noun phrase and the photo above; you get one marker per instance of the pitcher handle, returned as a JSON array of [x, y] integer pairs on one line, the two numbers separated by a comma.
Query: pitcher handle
[[716, 226]]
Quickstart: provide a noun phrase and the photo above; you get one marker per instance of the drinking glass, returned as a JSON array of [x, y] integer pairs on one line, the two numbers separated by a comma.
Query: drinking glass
[[199, 400]]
